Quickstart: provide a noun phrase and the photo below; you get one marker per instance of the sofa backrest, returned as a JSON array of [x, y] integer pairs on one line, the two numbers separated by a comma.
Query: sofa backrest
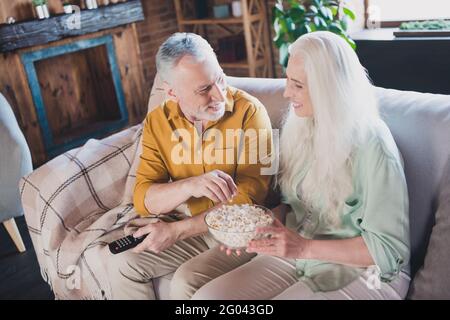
[[269, 92], [420, 124]]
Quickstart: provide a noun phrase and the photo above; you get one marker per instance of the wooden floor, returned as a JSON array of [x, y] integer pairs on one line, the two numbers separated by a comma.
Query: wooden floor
[[20, 277]]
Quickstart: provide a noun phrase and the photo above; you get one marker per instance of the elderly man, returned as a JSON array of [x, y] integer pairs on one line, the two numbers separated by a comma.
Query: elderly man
[[197, 152]]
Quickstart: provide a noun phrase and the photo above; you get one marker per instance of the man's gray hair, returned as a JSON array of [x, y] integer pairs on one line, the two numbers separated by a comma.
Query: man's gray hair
[[176, 47]]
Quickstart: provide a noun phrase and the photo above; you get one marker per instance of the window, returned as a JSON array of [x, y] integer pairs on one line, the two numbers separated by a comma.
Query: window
[[392, 12]]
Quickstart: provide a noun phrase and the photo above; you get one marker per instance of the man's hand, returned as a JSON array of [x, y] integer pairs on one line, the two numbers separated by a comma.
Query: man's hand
[[160, 236], [216, 185], [283, 242]]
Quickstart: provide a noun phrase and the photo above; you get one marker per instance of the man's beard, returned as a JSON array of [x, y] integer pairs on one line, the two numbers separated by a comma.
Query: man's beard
[[206, 115]]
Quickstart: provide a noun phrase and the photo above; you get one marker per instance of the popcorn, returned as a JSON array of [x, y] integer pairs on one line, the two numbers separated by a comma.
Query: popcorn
[[235, 225]]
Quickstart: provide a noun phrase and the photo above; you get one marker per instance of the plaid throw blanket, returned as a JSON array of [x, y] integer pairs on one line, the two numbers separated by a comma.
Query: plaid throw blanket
[[75, 205]]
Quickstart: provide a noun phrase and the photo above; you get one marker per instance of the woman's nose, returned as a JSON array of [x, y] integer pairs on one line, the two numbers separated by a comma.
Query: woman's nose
[[287, 93]]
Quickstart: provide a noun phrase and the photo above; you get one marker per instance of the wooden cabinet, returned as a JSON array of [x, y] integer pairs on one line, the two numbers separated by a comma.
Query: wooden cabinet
[[252, 25]]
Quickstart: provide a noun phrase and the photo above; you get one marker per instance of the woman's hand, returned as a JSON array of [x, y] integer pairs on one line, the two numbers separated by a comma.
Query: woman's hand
[[283, 242], [229, 251]]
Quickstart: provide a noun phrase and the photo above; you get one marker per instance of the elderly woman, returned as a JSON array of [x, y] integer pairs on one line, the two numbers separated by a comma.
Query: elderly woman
[[342, 230]]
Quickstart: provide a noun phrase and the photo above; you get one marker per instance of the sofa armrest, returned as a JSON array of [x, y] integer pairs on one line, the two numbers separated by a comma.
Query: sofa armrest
[[70, 192]]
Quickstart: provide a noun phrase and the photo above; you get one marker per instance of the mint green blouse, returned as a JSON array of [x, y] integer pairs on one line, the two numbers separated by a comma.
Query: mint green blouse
[[377, 210]]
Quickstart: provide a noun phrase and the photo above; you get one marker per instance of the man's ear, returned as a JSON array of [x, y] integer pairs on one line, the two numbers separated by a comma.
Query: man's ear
[[169, 91]]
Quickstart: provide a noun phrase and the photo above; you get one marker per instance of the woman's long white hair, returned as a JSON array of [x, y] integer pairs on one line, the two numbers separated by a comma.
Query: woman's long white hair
[[345, 110]]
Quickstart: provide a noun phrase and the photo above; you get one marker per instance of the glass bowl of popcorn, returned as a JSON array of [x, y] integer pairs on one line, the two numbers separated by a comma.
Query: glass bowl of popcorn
[[235, 225]]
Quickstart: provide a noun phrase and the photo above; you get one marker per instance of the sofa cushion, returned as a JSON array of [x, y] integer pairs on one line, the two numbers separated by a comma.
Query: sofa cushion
[[432, 280]]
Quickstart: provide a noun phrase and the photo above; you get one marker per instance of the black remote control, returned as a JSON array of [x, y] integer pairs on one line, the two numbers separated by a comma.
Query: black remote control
[[125, 243]]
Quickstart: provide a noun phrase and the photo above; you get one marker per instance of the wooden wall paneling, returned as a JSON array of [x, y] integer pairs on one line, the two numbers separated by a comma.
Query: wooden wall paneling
[[106, 101], [68, 92], [14, 86], [131, 69]]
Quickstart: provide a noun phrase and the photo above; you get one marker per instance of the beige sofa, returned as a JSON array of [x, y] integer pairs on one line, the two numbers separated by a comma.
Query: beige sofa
[[420, 124]]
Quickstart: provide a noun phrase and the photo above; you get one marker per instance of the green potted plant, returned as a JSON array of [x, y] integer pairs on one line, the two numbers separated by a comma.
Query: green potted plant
[[428, 28], [293, 18], [41, 8], [426, 25]]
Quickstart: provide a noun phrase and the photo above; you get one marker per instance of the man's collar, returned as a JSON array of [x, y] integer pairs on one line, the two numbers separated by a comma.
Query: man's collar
[[174, 110], [229, 99]]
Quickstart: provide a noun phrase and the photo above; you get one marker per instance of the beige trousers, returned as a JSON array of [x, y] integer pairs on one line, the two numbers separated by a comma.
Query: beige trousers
[[131, 274], [268, 277]]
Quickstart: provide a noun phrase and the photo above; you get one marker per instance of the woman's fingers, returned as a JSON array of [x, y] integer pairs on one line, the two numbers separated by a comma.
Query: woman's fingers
[[272, 230], [262, 243], [270, 250], [229, 251], [277, 223]]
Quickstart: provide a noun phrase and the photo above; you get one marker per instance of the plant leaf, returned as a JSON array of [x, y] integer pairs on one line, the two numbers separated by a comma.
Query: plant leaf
[[326, 13], [344, 23], [297, 14], [284, 54], [334, 11], [335, 27], [279, 5], [320, 23], [349, 41], [279, 40], [349, 13], [313, 9], [290, 25]]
